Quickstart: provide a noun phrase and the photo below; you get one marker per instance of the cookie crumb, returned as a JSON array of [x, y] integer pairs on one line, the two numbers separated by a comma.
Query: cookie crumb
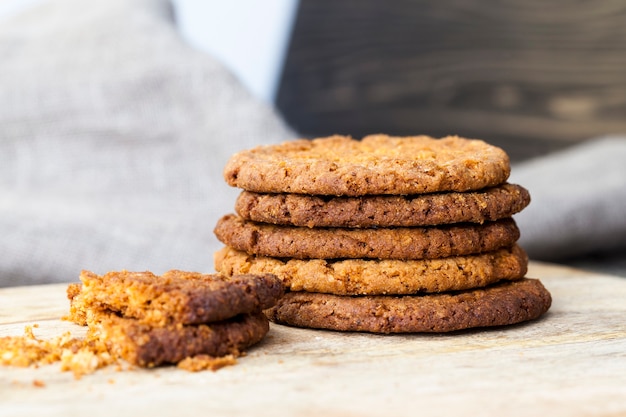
[[206, 362], [81, 356]]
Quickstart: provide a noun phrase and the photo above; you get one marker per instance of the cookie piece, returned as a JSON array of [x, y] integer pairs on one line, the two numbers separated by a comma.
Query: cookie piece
[[382, 243], [176, 296], [375, 277], [145, 345], [78, 308], [377, 164], [383, 211], [501, 304]]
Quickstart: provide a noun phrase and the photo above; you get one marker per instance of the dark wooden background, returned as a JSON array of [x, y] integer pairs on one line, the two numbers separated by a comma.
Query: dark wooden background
[[528, 75]]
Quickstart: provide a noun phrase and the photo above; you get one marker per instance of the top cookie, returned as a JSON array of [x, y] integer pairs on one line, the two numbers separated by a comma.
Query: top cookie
[[377, 164]]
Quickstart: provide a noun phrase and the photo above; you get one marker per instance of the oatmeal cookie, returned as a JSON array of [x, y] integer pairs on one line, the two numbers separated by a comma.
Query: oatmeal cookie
[[501, 304], [375, 243], [377, 164], [481, 206], [380, 276], [174, 297], [145, 345]]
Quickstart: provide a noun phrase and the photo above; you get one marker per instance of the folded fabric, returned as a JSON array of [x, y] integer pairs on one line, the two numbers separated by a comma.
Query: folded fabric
[[113, 136], [578, 201], [114, 133]]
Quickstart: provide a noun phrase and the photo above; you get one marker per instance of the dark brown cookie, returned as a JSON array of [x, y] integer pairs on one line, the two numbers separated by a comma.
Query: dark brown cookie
[[383, 211], [148, 346], [377, 164], [501, 304], [176, 296], [380, 276], [380, 243]]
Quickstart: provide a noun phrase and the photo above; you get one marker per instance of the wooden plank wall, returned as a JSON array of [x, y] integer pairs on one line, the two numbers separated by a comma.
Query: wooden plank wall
[[528, 75]]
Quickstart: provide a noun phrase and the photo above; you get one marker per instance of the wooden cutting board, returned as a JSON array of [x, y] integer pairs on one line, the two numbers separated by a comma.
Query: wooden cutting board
[[572, 362]]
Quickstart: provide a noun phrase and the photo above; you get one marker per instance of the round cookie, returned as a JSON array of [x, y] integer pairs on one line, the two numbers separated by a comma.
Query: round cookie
[[377, 277], [381, 243], [377, 164], [501, 304], [383, 210]]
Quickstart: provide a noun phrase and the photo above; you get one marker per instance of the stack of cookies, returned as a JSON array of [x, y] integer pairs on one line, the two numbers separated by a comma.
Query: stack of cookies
[[384, 234], [150, 320]]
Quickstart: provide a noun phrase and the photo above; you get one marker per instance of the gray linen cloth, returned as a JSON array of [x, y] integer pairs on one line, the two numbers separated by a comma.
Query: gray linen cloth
[[113, 136], [114, 133], [577, 212]]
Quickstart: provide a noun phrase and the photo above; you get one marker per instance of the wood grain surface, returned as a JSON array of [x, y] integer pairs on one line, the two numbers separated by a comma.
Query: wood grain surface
[[530, 76], [572, 362]]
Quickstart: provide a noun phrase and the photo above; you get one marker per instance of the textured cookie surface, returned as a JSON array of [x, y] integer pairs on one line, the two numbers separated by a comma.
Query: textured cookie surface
[[176, 296], [377, 164], [385, 276], [144, 345], [383, 211], [501, 304], [384, 243]]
